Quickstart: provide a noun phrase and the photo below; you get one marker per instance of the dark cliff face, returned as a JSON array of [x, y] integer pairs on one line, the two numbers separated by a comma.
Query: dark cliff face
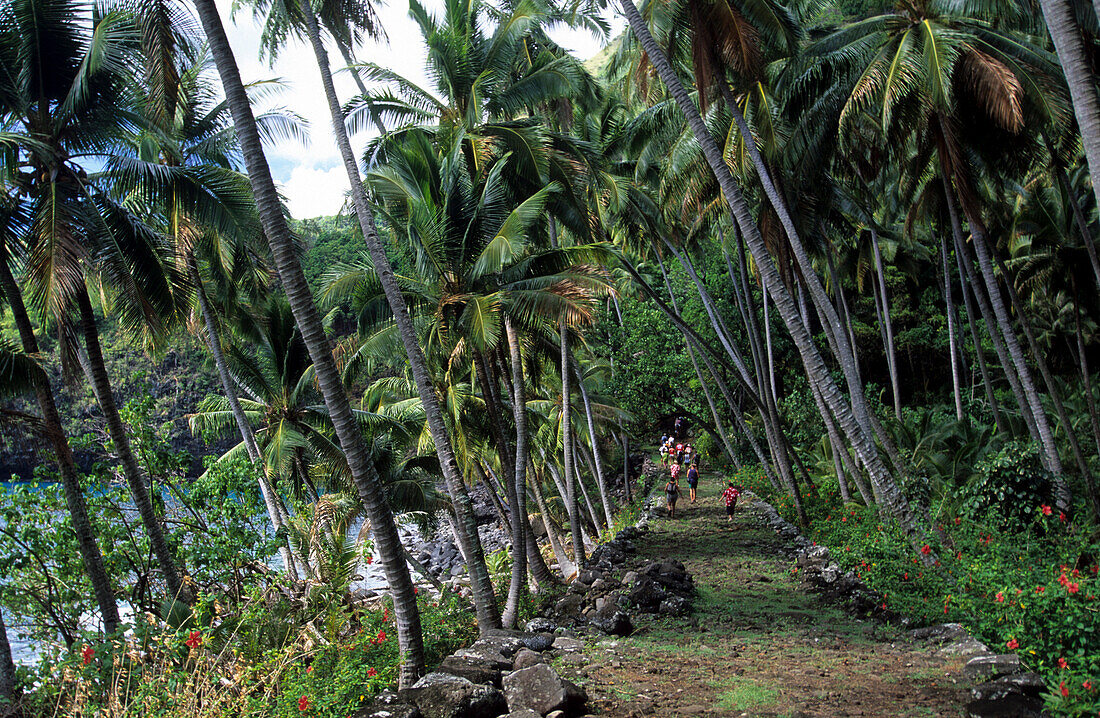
[[175, 382]]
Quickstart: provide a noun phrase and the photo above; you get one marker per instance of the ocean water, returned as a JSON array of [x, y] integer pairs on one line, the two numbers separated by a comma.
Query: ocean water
[[27, 651]]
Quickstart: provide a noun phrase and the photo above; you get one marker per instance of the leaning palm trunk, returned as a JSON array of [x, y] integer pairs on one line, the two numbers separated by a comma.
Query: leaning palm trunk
[[572, 504], [135, 477], [1069, 42], [891, 356], [469, 541], [597, 458], [267, 491], [951, 346], [284, 251], [842, 346], [565, 566], [7, 668], [861, 439], [517, 497], [90, 554]]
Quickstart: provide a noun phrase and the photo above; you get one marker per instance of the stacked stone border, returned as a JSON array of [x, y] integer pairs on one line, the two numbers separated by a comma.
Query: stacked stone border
[[1003, 685]]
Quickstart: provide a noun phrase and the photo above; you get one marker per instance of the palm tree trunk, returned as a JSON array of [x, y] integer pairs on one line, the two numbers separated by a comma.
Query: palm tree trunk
[[90, 554], [284, 251], [967, 283], [1086, 379], [7, 670], [517, 498], [135, 477], [719, 427], [892, 360], [1049, 449], [502, 515], [861, 437], [626, 461], [951, 346], [601, 483], [591, 507], [567, 450], [470, 542], [565, 566], [213, 341], [1069, 42], [1052, 390]]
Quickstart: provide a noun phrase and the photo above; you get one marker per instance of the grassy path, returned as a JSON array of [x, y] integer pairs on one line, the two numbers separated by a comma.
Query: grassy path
[[759, 643]]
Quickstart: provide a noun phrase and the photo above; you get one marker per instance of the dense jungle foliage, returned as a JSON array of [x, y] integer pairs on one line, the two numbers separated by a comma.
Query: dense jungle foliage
[[851, 243]]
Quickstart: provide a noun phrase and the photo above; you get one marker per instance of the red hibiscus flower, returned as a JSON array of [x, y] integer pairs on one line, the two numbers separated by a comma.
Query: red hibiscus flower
[[194, 639], [1013, 644], [381, 637], [87, 654], [1045, 509], [926, 549], [371, 673], [1065, 691], [1073, 587], [1000, 597], [370, 560], [1087, 685], [303, 703], [1040, 589], [1063, 663]]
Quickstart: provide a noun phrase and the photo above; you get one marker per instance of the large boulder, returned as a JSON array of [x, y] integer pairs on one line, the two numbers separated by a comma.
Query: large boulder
[[472, 669], [487, 655], [534, 640], [526, 658], [387, 705], [612, 621], [540, 625], [647, 595], [441, 695], [1005, 664], [542, 690]]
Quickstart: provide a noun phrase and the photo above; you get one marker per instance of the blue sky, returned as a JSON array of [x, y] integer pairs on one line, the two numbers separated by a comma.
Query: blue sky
[[311, 177]]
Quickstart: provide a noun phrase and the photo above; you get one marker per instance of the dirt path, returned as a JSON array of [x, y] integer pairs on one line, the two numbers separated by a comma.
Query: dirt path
[[759, 643]]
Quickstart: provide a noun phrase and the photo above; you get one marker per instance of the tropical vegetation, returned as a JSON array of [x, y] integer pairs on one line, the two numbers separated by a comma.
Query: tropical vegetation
[[851, 243]]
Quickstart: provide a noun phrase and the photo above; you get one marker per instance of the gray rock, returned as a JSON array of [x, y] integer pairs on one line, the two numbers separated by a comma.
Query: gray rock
[[527, 639], [612, 621], [522, 713], [487, 656], [630, 578], [441, 695], [540, 625], [674, 606], [965, 647], [566, 643], [472, 669], [570, 605], [647, 595], [991, 666], [387, 704], [526, 658], [541, 689], [940, 634], [999, 688], [589, 577]]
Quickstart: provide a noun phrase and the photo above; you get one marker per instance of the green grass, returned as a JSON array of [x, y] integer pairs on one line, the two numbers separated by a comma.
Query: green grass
[[744, 693]]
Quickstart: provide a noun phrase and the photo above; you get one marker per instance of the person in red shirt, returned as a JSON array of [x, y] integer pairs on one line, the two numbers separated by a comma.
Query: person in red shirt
[[729, 496]]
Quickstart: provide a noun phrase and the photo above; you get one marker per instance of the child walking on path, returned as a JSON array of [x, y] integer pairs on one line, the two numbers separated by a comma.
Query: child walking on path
[[729, 497]]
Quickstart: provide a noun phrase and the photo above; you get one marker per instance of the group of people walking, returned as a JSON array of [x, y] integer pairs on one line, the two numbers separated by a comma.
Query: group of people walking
[[680, 457]]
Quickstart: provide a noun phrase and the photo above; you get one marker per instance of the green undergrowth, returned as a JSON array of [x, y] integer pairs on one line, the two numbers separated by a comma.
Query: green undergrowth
[[1022, 580]]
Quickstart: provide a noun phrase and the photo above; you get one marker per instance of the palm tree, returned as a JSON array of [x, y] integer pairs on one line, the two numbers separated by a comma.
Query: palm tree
[[76, 232], [469, 541], [284, 251], [894, 501], [914, 99], [1069, 42], [70, 479]]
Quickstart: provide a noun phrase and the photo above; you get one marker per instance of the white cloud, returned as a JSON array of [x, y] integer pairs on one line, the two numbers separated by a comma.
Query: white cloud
[[313, 192], [312, 177]]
